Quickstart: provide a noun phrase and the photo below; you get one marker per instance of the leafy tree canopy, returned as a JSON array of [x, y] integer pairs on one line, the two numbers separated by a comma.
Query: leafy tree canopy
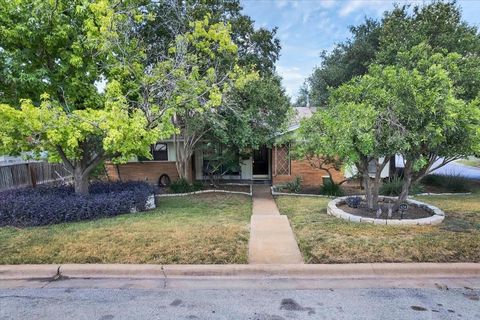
[[143, 99], [438, 24], [257, 48], [410, 108], [51, 47]]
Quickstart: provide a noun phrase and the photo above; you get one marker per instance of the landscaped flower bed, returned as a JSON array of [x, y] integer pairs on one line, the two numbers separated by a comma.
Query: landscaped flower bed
[[415, 213], [46, 205]]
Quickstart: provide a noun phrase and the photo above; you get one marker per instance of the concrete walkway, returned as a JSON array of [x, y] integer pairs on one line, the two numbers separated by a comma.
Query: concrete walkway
[[271, 238]]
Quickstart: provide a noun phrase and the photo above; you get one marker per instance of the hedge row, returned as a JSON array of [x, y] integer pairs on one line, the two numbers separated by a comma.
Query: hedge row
[[45, 205]]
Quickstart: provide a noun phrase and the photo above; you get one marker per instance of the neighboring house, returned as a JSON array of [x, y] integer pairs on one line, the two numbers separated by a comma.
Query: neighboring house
[[267, 164], [6, 160]]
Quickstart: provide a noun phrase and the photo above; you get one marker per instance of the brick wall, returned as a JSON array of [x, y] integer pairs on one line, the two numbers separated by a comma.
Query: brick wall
[[311, 177], [149, 171]]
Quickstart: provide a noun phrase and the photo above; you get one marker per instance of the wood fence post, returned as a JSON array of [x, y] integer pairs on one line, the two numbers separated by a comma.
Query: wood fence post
[[33, 175]]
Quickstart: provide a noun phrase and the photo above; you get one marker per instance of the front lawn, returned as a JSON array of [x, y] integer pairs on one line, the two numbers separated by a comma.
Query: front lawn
[[203, 229], [326, 239]]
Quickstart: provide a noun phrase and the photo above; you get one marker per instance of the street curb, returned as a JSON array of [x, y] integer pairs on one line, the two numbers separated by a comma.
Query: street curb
[[320, 271]]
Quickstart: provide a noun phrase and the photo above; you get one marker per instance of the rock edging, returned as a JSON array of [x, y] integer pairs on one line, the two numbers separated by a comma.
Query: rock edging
[[436, 218], [203, 191]]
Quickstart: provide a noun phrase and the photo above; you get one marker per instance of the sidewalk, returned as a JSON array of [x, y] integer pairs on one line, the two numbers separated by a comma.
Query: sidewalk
[[271, 238]]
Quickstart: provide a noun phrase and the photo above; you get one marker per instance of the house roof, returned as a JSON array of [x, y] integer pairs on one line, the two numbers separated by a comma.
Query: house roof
[[300, 114]]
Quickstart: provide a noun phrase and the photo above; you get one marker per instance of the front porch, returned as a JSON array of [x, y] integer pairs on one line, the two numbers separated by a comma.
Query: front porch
[[254, 168]]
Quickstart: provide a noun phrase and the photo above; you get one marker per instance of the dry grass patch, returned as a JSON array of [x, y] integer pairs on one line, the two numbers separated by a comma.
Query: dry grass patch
[[326, 239], [203, 229]]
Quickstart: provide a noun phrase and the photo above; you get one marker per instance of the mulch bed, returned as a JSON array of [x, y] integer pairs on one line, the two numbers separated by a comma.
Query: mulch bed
[[413, 211]]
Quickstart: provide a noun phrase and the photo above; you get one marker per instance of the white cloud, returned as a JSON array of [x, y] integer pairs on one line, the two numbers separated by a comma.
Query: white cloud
[[281, 4], [328, 3], [351, 6], [375, 6], [292, 78]]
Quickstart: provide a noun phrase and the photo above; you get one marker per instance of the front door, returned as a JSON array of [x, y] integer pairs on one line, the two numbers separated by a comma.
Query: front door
[[260, 163]]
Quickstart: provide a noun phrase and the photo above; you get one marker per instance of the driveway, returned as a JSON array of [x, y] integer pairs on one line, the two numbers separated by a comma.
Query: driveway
[[451, 168], [459, 169]]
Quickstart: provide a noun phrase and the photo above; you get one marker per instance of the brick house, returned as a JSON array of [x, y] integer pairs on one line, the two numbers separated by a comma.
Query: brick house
[[271, 164]]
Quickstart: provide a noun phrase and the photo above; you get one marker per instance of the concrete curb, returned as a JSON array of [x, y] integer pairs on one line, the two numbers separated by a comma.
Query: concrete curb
[[321, 271]]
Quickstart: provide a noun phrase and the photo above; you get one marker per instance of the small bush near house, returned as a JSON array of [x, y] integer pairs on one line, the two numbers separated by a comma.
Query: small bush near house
[[295, 185], [45, 205], [183, 186], [197, 185], [331, 189], [450, 182], [393, 187]]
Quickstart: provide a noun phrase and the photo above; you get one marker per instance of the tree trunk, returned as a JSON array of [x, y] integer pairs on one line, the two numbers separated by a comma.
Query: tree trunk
[[375, 192], [407, 182], [80, 181], [187, 172], [379, 166], [362, 168]]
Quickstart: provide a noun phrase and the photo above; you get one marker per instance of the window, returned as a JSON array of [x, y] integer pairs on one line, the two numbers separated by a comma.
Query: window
[[159, 153], [220, 162], [282, 161]]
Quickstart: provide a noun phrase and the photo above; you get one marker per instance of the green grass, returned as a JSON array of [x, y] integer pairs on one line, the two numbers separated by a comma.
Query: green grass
[[202, 229], [326, 239]]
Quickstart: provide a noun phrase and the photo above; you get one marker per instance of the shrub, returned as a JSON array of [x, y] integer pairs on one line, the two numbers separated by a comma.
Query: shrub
[[331, 189], [353, 202], [46, 205], [393, 187], [451, 182], [295, 185], [197, 185], [180, 186]]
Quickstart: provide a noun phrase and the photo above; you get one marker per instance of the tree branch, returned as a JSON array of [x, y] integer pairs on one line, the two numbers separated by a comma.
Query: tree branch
[[64, 158]]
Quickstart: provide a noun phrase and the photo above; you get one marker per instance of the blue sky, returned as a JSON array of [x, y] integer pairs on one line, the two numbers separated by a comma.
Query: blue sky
[[306, 27]]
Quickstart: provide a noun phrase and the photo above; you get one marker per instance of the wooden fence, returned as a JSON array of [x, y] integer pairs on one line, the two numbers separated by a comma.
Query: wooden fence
[[31, 174]]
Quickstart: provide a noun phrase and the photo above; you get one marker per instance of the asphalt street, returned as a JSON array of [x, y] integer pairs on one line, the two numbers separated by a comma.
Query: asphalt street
[[75, 300]]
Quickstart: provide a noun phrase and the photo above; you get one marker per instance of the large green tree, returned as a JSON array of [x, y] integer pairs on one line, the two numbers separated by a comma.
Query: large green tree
[[411, 108], [438, 122], [256, 47], [253, 111], [347, 60], [51, 47], [53, 56], [438, 24], [191, 77], [81, 139], [357, 129]]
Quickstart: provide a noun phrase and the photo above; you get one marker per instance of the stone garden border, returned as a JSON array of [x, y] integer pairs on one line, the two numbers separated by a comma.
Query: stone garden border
[[436, 218], [276, 193], [207, 191]]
